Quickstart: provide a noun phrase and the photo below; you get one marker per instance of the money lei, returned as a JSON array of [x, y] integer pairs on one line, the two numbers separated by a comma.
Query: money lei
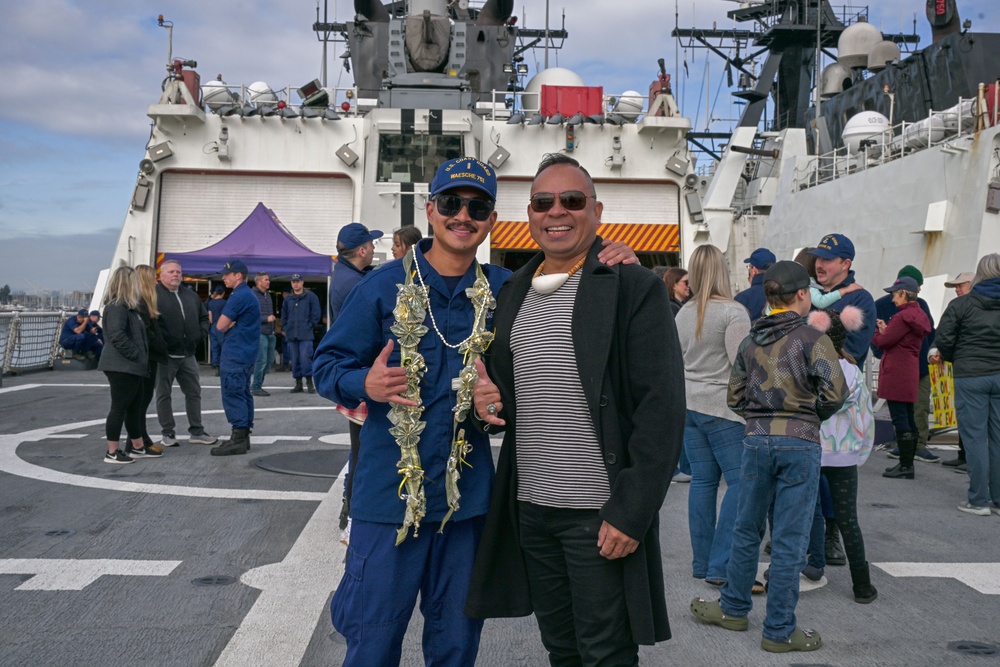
[[412, 306]]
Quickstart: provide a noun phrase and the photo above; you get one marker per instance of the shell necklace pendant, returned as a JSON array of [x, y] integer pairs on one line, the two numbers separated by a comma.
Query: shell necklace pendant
[[548, 283]]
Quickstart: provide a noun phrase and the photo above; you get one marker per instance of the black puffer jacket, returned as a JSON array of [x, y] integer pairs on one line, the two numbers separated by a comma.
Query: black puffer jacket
[[126, 350], [182, 331], [969, 333]]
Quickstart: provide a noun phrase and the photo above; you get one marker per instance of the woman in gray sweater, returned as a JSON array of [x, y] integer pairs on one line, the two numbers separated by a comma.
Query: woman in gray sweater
[[125, 362], [711, 327]]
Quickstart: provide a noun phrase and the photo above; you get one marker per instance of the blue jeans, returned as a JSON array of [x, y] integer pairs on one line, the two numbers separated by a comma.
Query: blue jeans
[[375, 598], [977, 406], [237, 401], [265, 358], [787, 469], [714, 447], [301, 354]]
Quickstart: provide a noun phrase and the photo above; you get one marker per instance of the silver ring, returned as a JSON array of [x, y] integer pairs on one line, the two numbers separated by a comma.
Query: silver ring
[[491, 408]]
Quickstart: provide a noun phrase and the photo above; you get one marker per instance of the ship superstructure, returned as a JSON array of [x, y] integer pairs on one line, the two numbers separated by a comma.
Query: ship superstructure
[[434, 80], [903, 156]]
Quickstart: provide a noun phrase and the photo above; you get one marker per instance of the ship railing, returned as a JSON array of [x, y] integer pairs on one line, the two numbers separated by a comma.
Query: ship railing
[[940, 128], [615, 109], [30, 340], [242, 99]]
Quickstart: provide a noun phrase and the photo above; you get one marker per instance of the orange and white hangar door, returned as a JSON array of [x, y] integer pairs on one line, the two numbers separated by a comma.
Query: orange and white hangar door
[[642, 214]]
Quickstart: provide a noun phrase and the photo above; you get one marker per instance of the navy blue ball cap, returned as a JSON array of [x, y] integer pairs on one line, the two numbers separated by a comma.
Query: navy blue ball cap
[[760, 258], [903, 283], [296, 276], [95, 312], [834, 245], [235, 266], [790, 276], [219, 289], [355, 234], [82, 312], [465, 172]]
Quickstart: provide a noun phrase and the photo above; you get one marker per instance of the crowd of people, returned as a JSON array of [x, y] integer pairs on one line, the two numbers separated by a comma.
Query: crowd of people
[[600, 375]]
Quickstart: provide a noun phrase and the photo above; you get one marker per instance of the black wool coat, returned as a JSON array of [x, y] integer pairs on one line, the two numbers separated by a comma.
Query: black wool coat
[[632, 373]]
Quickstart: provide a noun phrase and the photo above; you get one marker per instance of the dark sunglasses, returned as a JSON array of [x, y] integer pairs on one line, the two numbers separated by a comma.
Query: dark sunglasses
[[450, 205], [571, 200]]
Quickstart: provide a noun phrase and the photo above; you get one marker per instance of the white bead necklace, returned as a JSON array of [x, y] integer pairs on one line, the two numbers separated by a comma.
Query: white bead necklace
[[431, 312]]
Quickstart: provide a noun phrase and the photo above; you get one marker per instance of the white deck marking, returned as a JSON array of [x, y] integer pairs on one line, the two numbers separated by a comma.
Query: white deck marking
[[11, 463], [293, 591], [68, 436], [57, 574], [983, 577], [336, 438], [271, 439]]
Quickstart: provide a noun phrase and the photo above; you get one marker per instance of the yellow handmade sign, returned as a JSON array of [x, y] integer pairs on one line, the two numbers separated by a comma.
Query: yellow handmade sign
[[943, 395]]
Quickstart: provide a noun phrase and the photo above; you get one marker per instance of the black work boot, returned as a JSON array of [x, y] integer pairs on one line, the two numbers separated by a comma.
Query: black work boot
[[864, 592], [238, 443], [297, 389], [309, 385], [834, 552], [907, 448]]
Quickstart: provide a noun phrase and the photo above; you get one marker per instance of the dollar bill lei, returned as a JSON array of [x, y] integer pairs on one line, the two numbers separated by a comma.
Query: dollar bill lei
[[412, 307]]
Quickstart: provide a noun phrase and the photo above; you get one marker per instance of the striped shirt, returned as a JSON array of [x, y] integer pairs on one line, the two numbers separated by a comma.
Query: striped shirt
[[559, 460]]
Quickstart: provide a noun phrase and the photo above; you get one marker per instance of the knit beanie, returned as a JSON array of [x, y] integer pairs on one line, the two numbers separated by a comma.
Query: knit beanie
[[912, 272]]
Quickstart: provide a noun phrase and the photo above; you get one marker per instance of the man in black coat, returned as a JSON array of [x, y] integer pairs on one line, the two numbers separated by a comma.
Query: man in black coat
[[184, 323], [592, 355]]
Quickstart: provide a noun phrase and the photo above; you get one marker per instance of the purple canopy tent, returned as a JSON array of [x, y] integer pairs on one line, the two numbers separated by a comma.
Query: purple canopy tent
[[263, 243]]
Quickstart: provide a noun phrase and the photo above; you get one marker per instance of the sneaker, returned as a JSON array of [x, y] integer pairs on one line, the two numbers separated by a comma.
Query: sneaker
[[260, 392], [995, 509], [681, 478], [962, 467], [117, 456], [893, 454], [155, 449], [954, 463], [711, 612], [926, 456], [169, 440], [801, 640], [767, 547], [969, 508], [145, 453], [812, 573], [203, 439]]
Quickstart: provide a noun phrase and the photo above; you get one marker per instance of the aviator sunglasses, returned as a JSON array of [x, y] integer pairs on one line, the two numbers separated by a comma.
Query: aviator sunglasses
[[571, 200], [450, 205]]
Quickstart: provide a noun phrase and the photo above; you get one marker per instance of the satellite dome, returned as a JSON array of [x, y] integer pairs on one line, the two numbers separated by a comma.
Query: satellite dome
[[861, 126], [835, 79], [629, 105], [855, 43], [554, 76], [259, 93], [215, 94], [883, 54]]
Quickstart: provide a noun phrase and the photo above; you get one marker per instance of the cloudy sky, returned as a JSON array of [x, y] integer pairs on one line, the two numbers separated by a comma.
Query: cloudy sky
[[79, 74]]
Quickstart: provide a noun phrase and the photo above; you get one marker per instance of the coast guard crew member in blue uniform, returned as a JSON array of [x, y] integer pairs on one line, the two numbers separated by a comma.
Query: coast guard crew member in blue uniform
[[240, 322], [77, 336], [359, 359], [216, 302], [300, 312], [834, 269], [752, 298]]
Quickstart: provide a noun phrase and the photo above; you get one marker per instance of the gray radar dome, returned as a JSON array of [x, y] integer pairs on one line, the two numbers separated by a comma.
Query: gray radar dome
[[855, 43]]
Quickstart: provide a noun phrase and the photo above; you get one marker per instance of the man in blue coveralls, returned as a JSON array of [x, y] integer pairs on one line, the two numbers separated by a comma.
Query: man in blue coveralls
[[77, 335], [359, 359], [240, 322], [299, 314], [752, 298]]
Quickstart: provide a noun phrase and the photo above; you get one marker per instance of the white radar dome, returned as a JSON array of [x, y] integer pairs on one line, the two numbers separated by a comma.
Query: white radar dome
[[531, 99], [259, 92], [215, 94], [882, 55], [856, 42], [629, 105], [867, 125]]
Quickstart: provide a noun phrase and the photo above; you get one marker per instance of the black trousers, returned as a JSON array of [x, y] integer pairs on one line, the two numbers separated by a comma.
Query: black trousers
[[126, 406], [577, 594], [844, 489], [148, 389]]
